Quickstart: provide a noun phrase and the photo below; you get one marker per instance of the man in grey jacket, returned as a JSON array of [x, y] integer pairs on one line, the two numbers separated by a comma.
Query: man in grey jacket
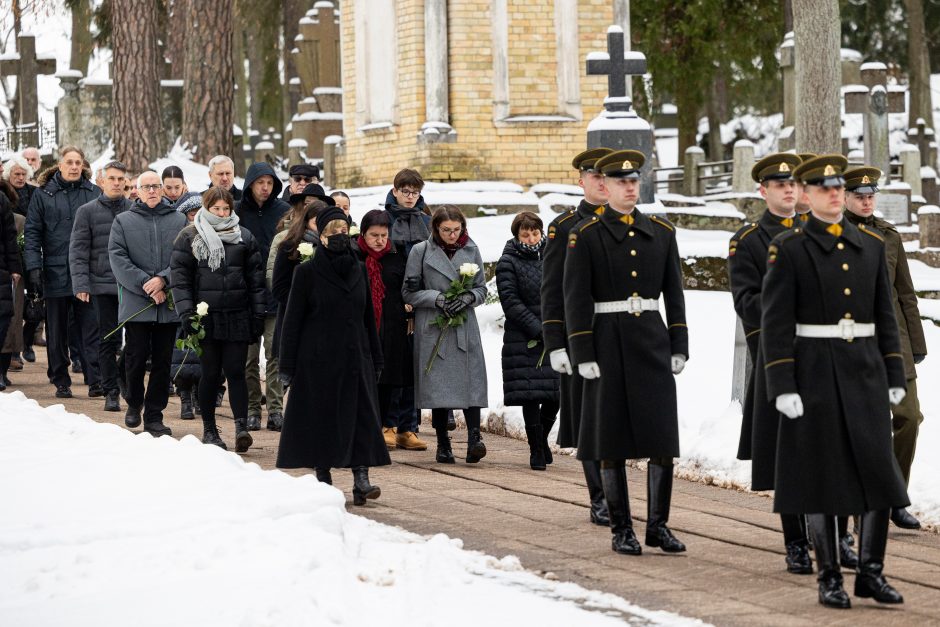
[[92, 279], [139, 250]]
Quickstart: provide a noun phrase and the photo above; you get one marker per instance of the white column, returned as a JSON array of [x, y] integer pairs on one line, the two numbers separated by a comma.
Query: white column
[[436, 59], [500, 18], [568, 76]]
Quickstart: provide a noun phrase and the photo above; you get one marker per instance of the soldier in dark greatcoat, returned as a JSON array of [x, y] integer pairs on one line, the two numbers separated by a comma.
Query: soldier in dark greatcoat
[[618, 265], [747, 264], [833, 366], [591, 181]]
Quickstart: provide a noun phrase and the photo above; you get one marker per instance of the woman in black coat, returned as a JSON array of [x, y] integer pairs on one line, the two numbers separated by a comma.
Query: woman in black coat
[[330, 351], [528, 379], [386, 270], [217, 262], [11, 269]]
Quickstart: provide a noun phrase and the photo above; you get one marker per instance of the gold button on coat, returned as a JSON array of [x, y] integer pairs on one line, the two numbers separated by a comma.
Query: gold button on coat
[[840, 245], [845, 267], [633, 274], [847, 292], [633, 253]]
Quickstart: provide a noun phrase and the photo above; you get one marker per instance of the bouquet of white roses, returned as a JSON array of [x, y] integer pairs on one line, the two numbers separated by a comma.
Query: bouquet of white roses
[[458, 286], [198, 332], [305, 250]]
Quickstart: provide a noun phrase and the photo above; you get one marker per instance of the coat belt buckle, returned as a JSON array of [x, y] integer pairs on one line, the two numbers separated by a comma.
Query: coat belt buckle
[[634, 305], [847, 329]]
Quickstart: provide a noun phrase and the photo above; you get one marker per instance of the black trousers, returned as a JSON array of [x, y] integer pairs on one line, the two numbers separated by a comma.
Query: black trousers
[[439, 418], [58, 310], [534, 414], [106, 311], [230, 358], [154, 340]]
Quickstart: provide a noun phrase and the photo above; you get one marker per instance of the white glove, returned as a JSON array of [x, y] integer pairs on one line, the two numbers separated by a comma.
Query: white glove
[[790, 405], [678, 364], [589, 370], [560, 362], [896, 395]]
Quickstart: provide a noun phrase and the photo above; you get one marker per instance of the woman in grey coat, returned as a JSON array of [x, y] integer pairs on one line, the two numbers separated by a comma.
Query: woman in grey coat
[[457, 378]]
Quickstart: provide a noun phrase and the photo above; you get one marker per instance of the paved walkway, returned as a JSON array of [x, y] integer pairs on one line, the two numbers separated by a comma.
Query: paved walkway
[[732, 574]]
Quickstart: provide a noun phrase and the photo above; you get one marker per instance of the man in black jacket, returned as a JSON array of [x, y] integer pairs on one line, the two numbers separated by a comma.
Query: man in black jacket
[[48, 233], [92, 278], [259, 211], [301, 175], [222, 174]]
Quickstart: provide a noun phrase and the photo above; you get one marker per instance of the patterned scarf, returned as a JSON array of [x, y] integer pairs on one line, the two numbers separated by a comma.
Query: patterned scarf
[[374, 268], [211, 232], [451, 249]]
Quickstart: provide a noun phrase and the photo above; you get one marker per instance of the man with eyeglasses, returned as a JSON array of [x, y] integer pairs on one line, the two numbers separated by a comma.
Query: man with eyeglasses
[[299, 176]]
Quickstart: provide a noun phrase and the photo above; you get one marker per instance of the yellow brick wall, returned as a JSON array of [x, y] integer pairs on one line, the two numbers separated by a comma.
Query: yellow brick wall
[[526, 153]]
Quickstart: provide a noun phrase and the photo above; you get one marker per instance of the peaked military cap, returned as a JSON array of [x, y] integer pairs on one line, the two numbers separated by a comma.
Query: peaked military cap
[[778, 167], [862, 180], [586, 160], [624, 164], [806, 156], [825, 170]]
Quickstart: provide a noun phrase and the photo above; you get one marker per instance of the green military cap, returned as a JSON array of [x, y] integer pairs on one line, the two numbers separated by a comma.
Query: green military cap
[[862, 180], [825, 170], [806, 156], [778, 166], [624, 164], [585, 161]]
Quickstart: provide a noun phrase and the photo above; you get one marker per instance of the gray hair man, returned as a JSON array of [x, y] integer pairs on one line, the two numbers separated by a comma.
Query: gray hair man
[[222, 174]]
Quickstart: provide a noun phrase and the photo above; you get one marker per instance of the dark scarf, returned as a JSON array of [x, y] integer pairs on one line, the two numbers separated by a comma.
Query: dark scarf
[[451, 249], [374, 268], [342, 263], [63, 184], [532, 250], [409, 226]]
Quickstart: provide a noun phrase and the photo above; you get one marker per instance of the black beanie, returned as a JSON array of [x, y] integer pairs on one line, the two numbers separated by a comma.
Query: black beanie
[[327, 215]]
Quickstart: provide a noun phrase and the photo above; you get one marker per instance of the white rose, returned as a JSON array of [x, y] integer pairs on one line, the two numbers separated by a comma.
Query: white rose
[[202, 308], [469, 269], [305, 249], [353, 230]]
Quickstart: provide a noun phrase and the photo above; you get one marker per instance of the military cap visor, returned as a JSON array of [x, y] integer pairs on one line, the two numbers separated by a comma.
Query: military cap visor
[[824, 170], [778, 166], [624, 164], [862, 180], [586, 161]]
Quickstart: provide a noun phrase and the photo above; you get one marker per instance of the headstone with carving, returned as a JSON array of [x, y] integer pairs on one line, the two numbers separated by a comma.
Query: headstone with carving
[[874, 100]]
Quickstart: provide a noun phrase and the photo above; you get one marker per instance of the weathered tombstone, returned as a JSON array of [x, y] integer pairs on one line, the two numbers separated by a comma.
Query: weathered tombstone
[[741, 365], [928, 221], [27, 66], [787, 67], [922, 136], [874, 100], [694, 156], [318, 51], [743, 162], [909, 156], [930, 189], [894, 203], [618, 126]]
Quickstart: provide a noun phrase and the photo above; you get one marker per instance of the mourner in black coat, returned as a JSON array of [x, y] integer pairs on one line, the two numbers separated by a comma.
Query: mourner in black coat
[[553, 318], [618, 265], [747, 264], [330, 355], [833, 365], [528, 379]]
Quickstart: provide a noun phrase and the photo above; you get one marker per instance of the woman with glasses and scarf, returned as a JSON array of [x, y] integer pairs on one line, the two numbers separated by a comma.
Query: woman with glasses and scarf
[[217, 262], [331, 356], [453, 374], [528, 379]]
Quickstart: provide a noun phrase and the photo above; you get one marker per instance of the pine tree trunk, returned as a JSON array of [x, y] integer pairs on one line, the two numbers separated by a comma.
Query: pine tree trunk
[[293, 11], [687, 116], [919, 60], [82, 44], [137, 122], [818, 76], [208, 79], [263, 50], [175, 48]]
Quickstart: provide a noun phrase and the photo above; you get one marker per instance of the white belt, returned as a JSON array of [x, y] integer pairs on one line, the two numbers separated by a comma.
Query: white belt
[[845, 330], [634, 304]]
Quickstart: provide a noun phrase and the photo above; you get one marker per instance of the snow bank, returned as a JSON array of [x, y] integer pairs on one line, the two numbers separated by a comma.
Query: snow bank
[[106, 527]]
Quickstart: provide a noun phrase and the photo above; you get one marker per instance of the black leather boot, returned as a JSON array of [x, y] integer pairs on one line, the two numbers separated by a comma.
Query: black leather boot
[[659, 499], [445, 455], [847, 556], [795, 541], [324, 476], [822, 529], [624, 539], [112, 402], [904, 519], [592, 475], [533, 434], [362, 489], [242, 438], [547, 424], [210, 435], [186, 405], [872, 539], [476, 450]]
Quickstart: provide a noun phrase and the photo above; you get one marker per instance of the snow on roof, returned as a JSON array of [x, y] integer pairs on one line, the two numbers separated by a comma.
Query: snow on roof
[[618, 121], [874, 65], [323, 4], [333, 139], [69, 74], [743, 143], [297, 143], [264, 146], [101, 82], [628, 55], [927, 172], [854, 89], [319, 115], [294, 81]]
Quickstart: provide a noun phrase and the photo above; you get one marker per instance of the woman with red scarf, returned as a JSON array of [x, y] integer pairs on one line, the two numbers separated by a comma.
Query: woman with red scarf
[[386, 270]]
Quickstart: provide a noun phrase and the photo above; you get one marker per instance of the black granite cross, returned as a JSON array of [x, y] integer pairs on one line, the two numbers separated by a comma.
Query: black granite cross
[[616, 65], [27, 66]]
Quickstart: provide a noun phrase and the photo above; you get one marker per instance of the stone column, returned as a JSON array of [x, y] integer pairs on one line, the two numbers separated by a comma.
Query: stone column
[[436, 86], [910, 168], [741, 181], [693, 157], [928, 221]]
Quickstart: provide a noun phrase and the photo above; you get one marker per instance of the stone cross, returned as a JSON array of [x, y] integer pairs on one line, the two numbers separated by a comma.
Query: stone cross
[[27, 67], [318, 49], [617, 64], [875, 101], [922, 136]]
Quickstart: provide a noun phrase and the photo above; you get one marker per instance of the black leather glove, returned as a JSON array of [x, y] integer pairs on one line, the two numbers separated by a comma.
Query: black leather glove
[[257, 327], [441, 303], [458, 304], [919, 358], [35, 282], [285, 379], [186, 322]]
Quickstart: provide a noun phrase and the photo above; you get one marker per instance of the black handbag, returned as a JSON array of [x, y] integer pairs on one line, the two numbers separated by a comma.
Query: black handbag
[[34, 310]]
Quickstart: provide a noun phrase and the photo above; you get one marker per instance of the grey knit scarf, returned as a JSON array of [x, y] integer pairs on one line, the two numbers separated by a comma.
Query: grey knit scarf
[[211, 232]]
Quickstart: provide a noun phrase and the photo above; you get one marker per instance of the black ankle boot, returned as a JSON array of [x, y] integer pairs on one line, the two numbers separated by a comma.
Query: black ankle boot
[[210, 435], [186, 405], [362, 489], [546, 429], [445, 455], [659, 499], [592, 475], [476, 450], [624, 539], [872, 540], [798, 559], [324, 476], [533, 434], [822, 529], [242, 438]]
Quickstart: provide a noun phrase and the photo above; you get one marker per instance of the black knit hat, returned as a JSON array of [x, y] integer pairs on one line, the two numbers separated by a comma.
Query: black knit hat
[[327, 215]]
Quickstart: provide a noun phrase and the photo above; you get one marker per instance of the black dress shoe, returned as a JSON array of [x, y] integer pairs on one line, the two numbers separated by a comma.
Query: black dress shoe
[[8, 383], [95, 390], [112, 401], [625, 542], [63, 391], [29, 355], [900, 517], [254, 422], [662, 537], [871, 584], [831, 592], [798, 559], [3, 385], [243, 440], [132, 417], [324, 475], [157, 429], [847, 557], [599, 515]]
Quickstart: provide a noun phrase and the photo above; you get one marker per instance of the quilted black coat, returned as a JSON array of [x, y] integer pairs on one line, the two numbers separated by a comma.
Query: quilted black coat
[[519, 280]]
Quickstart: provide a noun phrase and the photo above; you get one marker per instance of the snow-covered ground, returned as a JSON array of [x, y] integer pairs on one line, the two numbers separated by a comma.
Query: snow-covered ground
[[104, 527]]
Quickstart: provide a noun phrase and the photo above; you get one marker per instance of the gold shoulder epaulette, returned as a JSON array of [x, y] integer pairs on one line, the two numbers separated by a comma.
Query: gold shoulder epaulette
[[867, 231], [788, 234], [663, 222], [744, 231], [566, 216], [593, 221]]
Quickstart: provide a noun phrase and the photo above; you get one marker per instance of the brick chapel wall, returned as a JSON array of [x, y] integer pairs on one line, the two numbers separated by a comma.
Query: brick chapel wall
[[525, 153]]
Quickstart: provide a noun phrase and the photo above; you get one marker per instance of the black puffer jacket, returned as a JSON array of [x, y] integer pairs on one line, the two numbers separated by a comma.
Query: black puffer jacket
[[25, 194], [519, 280], [9, 258], [235, 292], [88, 250]]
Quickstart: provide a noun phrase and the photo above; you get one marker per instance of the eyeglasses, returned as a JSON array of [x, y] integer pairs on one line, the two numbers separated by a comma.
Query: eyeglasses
[[302, 179], [446, 231], [150, 188], [409, 193]]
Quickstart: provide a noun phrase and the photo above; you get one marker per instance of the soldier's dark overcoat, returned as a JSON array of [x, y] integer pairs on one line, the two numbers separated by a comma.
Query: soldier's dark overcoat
[[630, 411], [836, 458]]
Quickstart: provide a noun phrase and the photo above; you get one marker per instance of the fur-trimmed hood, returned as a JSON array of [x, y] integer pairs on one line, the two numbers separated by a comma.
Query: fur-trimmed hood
[[46, 175]]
